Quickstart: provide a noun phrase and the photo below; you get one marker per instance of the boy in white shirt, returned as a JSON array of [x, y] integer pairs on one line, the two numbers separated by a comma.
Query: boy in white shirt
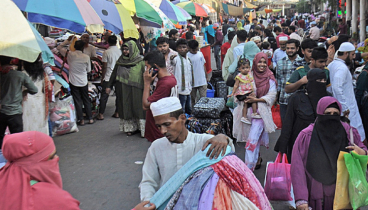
[[183, 72], [199, 71]]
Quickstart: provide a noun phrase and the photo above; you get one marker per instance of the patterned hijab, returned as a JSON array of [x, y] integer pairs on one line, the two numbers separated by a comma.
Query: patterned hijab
[[262, 78]]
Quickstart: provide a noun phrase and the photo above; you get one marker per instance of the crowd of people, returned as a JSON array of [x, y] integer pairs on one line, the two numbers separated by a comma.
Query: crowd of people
[[322, 98]]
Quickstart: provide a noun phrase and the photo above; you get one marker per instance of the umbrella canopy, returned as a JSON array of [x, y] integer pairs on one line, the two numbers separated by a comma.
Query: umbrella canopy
[[144, 10], [185, 13], [208, 8], [193, 8], [249, 5], [74, 15], [234, 10], [179, 1], [115, 17], [18, 38], [171, 11]]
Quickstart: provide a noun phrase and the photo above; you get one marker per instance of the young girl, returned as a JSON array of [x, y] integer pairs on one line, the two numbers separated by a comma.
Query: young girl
[[243, 88]]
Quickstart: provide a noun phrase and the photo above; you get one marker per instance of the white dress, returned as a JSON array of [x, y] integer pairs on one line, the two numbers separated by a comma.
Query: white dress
[[34, 110]]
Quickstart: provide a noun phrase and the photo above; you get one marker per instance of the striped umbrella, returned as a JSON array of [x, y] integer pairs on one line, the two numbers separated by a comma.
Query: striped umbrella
[[208, 8], [143, 10], [193, 8], [74, 15], [115, 17]]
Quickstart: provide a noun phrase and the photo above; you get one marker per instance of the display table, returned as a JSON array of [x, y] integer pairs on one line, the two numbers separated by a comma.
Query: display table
[[206, 51]]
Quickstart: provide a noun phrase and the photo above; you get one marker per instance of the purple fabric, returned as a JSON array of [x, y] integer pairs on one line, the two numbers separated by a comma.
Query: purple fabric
[[206, 198], [325, 102], [305, 187]]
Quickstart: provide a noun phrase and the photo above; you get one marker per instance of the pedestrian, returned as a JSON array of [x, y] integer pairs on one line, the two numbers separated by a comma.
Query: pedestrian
[[163, 45], [257, 40], [225, 26], [314, 32], [243, 87], [298, 78], [279, 53], [342, 85], [294, 34], [315, 153], [173, 36], [257, 134], [31, 177], [307, 47], [270, 38], [199, 71], [155, 67], [301, 111], [285, 68], [226, 37], [250, 50], [301, 23], [266, 49], [217, 45], [247, 26], [210, 31], [226, 46], [343, 28], [168, 154], [36, 106], [238, 50], [279, 34], [288, 21], [254, 23], [261, 25], [104, 44], [11, 95], [229, 58], [109, 58], [79, 66], [189, 35], [361, 87], [184, 74], [88, 49]]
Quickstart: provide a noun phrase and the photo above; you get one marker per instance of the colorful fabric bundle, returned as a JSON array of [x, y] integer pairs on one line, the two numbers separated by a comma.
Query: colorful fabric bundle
[[62, 116], [227, 184]]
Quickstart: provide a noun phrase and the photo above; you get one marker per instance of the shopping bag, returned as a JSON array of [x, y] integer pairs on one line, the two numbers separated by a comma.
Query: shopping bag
[[281, 203], [276, 116], [342, 184], [278, 179], [358, 186]]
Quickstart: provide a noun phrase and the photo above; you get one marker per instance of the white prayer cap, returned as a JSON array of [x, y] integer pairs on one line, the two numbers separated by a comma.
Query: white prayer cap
[[346, 47], [255, 38], [165, 106], [283, 38]]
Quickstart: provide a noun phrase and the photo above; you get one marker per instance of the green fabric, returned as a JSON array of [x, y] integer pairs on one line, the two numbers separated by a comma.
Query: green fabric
[[183, 73], [303, 71], [129, 70], [129, 102], [250, 51], [147, 12], [358, 186], [11, 96], [239, 25], [33, 182]]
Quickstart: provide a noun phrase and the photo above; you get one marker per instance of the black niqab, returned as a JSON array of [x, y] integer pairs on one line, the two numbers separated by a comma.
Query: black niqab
[[316, 90]]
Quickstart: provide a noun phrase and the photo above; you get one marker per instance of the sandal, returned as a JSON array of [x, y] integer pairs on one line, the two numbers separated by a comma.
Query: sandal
[[99, 117], [91, 121], [258, 166], [81, 123], [115, 115]]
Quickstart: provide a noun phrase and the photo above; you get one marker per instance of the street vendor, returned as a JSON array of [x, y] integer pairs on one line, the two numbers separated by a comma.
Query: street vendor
[[168, 154]]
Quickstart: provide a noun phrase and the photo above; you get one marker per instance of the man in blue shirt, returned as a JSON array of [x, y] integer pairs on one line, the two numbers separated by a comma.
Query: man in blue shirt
[[210, 33]]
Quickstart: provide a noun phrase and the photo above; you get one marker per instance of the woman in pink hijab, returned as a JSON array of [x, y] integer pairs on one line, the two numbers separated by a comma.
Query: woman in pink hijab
[[31, 178]]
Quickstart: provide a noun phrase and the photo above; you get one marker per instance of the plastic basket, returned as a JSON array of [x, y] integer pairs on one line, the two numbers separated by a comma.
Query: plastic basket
[[210, 92]]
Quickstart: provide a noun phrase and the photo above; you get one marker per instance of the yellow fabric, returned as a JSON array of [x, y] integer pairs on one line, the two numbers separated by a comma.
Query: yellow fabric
[[130, 30], [71, 46], [249, 5], [342, 184], [130, 6]]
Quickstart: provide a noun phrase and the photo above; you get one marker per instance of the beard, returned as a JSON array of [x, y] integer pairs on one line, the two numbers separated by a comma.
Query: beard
[[292, 55], [348, 61]]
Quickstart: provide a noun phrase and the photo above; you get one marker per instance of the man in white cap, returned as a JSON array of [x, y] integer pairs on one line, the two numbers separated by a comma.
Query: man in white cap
[[342, 85], [314, 31], [168, 154], [279, 53]]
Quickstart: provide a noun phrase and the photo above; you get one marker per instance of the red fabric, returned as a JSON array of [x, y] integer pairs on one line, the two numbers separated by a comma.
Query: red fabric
[[27, 154], [278, 37], [262, 78], [184, 34], [206, 51], [276, 116], [236, 181], [163, 89], [224, 48], [301, 23]]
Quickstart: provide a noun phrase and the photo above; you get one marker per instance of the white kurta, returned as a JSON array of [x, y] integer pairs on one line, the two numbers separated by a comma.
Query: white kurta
[[343, 91], [164, 159]]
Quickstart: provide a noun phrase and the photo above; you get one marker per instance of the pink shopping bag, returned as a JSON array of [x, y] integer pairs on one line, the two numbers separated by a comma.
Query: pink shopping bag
[[278, 179]]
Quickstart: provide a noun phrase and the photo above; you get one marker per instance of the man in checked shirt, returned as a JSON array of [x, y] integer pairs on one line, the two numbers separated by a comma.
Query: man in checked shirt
[[285, 67]]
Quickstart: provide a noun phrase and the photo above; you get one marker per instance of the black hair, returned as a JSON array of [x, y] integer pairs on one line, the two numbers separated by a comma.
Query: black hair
[[257, 28], [79, 45], [339, 53], [340, 20], [225, 20], [176, 113], [243, 61], [260, 21], [35, 69], [189, 35], [210, 22], [284, 24], [181, 42], [247, 21], [265, 45], [162, 40], [319, 53], [308, 43], [268, 33], [242, 35], [112, 40], [231, 35], [291, 41], [193, 44], [155, 57], [277, 28], [274, 21], [172, 32], [342, 38], [254, 19], [5, 60], [292, 28]]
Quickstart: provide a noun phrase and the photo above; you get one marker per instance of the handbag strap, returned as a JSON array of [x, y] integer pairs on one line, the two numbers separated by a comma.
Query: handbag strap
[[351, 136]]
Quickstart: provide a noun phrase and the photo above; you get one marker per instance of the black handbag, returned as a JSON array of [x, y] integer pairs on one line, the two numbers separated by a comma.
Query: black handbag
[[208, 108], [231, 78]]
